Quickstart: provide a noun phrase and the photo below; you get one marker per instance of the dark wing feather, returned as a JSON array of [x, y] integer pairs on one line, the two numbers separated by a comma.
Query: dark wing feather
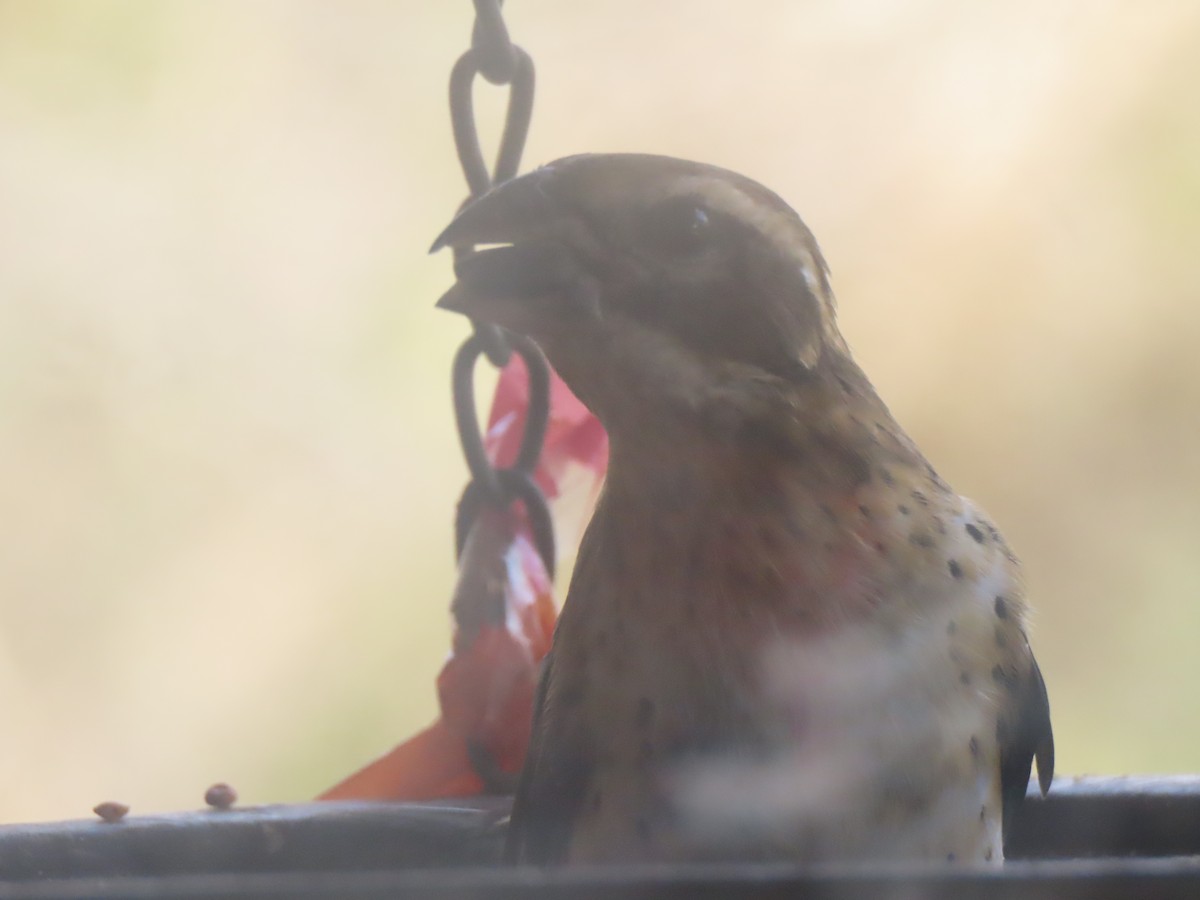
[[548, 793], [1025, 733], [558, 766]]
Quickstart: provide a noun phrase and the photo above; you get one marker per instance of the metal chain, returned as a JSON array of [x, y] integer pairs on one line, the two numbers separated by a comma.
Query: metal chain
[[494, 56], [500, 61], [502, 486]]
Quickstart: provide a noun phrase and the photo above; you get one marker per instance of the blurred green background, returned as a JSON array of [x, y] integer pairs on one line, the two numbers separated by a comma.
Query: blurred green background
[[227, 460]]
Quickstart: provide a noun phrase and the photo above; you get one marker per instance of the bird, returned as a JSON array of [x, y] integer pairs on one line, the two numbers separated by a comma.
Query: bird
[[786, 637]]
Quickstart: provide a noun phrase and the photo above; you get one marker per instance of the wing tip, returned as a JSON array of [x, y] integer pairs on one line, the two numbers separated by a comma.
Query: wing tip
[[1045, 764]]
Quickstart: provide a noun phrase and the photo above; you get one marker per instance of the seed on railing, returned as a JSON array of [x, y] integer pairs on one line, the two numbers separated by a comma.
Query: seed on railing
[[220, 796], [110, 811]]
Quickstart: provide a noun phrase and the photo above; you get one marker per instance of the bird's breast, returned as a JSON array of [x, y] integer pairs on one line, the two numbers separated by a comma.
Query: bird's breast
[[725, 652]]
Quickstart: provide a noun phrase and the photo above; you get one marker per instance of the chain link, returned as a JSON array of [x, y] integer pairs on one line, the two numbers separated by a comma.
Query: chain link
[[501, 62], [489, 38], [494, 56], [503, 486]]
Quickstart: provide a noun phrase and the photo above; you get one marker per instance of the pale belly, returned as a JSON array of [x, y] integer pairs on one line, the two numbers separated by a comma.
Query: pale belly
[[815, 693], [822, 761]]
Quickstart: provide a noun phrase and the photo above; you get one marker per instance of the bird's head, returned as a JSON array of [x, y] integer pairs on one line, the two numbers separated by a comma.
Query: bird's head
[[652, 284]]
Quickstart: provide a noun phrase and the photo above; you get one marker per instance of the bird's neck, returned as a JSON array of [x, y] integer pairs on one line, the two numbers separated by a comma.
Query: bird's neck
[[761, 496], [737, 434]]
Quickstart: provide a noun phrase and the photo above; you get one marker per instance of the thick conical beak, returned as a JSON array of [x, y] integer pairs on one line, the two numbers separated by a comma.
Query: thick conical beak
[[516, 211], [523, 285]]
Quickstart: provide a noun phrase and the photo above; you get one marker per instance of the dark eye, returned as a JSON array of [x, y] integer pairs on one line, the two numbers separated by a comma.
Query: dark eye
[[678, 226]]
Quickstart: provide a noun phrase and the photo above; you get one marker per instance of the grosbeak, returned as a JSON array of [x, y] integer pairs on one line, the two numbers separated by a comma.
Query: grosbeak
[[786, 637]]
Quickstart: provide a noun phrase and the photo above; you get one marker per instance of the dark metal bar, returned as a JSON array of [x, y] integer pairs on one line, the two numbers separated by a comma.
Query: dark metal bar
[[300, 838], [1063, 880], [1090, 817], [1146, 827]]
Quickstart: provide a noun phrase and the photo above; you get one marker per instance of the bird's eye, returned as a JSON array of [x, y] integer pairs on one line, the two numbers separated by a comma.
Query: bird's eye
[[678, 226]]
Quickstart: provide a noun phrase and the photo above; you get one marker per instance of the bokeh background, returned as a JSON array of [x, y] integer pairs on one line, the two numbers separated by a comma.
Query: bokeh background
[[227, 459]]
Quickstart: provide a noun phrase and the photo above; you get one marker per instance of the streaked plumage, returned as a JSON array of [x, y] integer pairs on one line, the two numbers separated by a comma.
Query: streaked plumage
[[786, 637]]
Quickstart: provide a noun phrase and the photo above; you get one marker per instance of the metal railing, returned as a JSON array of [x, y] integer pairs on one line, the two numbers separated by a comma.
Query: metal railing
[[1091, 837]]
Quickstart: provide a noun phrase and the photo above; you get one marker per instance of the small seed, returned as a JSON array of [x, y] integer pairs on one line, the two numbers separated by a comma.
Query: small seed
[[220, 796], [110, 811]]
